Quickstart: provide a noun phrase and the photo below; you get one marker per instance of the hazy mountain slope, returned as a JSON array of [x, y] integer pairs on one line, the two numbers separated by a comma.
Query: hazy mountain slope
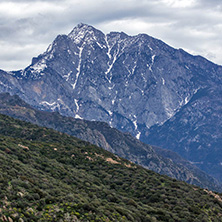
[[197, 137], [130, 82], [49, 176], [124, 145]]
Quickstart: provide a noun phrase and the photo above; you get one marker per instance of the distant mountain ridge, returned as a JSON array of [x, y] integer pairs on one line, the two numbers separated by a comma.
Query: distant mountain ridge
[[134, 83], [101, 134]]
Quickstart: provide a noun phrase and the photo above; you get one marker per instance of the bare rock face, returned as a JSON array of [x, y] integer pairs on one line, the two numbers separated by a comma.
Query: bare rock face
[[137, 84]]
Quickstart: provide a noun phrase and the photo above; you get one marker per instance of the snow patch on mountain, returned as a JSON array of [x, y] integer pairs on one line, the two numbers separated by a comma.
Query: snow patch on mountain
[[67, 76], [38, 67], [77, 105], [110, 112], [110, 66], [108, 48], [163, 81], [79, 67], [53, 106], [138, 135], [151, 65]]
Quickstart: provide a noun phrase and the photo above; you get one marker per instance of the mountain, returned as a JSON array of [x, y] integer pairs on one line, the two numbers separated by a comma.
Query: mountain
[[197, 137], [50, 176], [123, 144], [137, 84]]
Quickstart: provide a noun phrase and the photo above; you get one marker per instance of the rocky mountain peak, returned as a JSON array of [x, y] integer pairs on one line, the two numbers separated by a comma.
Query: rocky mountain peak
[[131, 82], [83, 33]]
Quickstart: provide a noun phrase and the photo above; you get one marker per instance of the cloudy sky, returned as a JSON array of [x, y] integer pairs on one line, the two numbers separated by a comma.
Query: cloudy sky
[[27, 27]]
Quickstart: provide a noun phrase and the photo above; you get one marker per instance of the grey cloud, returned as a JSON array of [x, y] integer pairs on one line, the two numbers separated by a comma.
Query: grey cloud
[[190, 27], [29, 1], [211, 3]]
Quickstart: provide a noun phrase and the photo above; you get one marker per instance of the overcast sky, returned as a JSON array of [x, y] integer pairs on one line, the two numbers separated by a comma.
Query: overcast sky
[[28, 27]]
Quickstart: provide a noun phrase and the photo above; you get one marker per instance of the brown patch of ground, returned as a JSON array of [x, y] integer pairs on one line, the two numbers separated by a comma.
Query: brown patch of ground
[[24, 147], [89, 158], [216, 196], [112, 161]]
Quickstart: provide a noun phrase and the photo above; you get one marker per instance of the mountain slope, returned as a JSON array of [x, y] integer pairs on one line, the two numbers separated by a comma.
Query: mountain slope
[[131, 82], [100, 134], [49, 176], [201, 141]]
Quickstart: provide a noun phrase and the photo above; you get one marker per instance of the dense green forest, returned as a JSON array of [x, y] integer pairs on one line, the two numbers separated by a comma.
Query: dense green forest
[[49, 176]]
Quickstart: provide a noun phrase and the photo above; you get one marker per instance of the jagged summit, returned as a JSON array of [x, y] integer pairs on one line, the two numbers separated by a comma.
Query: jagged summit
[[82, 26], [83, 32]]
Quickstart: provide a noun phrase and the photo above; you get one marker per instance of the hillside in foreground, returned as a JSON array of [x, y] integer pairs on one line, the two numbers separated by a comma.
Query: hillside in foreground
[[49, 176], [101, 134]]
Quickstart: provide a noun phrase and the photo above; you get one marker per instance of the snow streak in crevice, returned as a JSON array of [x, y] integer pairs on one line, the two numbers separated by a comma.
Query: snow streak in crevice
[[79, 67]]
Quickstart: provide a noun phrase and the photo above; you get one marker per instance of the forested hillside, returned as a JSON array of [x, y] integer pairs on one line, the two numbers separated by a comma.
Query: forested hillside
[[49, 176]]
